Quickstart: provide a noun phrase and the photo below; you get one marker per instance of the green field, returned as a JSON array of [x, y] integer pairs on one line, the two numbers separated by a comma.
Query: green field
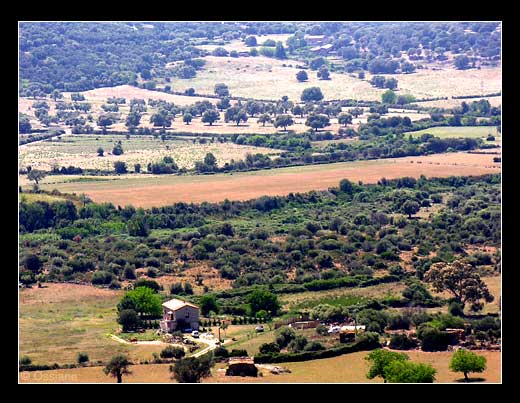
[[458, 131]]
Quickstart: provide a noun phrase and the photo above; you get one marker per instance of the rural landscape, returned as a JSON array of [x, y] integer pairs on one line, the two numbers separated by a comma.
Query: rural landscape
[[260, 202]]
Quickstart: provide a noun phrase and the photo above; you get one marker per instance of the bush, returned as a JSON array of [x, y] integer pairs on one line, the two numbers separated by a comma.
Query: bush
[[129, 319], [173, 352], [268, 348], [433, 339], [456, 309], [82, 358], [25, 360], [221, 352], [102, 277], [238, 353], [402, 342]]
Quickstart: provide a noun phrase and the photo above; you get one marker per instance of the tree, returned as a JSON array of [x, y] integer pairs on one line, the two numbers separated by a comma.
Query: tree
[[298, 110], [264, 118], [311, 94], [187, 117], [262, 298], [161, 119], [208, 303], [391, 83], [56, 94], [210, 116], [33, 263], [192, 370], [105, 121], [388, 97], [36, 175], [279, 51], [410, 207], [302, 76], [224, 103], [117, 367], [221, 90], [283, 121], [138, 226], [235, 114], [145, 301], [118, 149], [120, 167], [461, 280], [137, 168], [82, 358], [317, 121], [409, 372], [269, 348], [173, 352], [461, 62], [380, 359], [345, 119], [129, 319], [284, 336], [317, 62], [133, 119], [323, 73], [100, 152], [250, 41], [467, 361], [210, 160], [24, 124]]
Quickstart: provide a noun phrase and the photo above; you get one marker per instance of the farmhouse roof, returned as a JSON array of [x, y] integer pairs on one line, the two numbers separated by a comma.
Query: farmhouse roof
[[241, 360], [176, 304], [348, 329]]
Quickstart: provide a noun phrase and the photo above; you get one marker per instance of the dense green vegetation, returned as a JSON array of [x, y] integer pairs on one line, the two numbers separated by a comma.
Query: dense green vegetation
[[71, 56]]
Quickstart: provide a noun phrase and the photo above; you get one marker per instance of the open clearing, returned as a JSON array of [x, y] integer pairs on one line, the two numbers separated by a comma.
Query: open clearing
[[457, 131], [450, 103], [144, 191], [60, 320], [450, 82], [349, 368], [80, 150], [266, 78]]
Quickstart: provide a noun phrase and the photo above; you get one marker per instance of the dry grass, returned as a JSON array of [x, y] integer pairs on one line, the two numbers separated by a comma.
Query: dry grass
[[449, 82], [146, 191], [349, 368], [451, 103], [266, 78], [60, 320], [81, 151]]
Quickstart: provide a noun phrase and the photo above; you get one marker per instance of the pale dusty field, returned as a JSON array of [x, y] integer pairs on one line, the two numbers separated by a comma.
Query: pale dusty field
[[144, 191], [450, 103], [449, 82], [265, 78]]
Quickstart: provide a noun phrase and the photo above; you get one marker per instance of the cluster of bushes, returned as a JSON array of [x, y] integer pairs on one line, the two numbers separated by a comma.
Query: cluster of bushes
[[365, 341]]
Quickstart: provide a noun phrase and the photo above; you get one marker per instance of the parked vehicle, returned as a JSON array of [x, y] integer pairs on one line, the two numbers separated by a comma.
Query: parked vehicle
[[195, 334], [259, 328]]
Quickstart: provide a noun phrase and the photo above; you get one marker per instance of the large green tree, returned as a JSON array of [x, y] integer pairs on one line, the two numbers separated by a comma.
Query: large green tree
[[262, 298], [192, 370], [379, 361], [466, 362], [461, 280], [117, 367], [409, 372], [144, 300]]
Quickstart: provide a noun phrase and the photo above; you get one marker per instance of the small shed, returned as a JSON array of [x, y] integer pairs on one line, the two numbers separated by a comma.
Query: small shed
[[241, 366]]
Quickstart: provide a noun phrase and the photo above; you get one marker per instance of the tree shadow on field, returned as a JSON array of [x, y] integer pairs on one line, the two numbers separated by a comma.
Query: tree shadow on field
[[470, 380]]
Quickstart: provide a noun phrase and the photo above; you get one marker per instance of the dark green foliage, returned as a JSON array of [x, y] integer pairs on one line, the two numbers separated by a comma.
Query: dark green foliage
[[173, 352], [129, 319]]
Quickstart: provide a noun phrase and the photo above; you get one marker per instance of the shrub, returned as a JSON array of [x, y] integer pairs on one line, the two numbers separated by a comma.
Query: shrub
[[173, 352], [129, 319], [25, 360], [456, 309], [102, 277], [221, 352], [238, 353], [82, 358], [402, 342]]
